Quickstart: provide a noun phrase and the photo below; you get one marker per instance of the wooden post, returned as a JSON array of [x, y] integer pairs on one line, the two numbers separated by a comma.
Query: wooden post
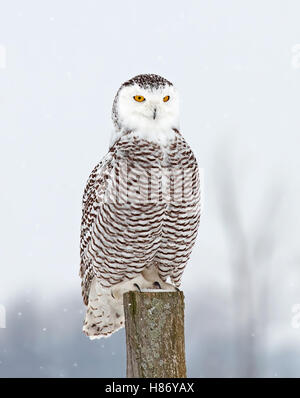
[[154, 323]]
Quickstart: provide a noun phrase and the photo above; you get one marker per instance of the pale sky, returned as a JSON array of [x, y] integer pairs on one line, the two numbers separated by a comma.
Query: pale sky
[[61, 64]]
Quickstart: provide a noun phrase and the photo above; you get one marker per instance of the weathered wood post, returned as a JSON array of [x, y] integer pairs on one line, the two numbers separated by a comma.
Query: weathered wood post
[[154, 323]]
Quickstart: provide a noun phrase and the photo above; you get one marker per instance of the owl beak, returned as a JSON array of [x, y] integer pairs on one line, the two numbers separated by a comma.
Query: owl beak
[[154, 113]]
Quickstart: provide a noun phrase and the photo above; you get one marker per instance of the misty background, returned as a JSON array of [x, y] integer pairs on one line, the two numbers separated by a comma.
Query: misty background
[[237, 68]]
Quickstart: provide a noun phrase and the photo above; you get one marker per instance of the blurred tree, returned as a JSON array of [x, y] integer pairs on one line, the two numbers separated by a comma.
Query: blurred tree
[[250, 255]]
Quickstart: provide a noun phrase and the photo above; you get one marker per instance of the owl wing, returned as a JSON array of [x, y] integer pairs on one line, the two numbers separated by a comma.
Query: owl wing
[[92, 199]]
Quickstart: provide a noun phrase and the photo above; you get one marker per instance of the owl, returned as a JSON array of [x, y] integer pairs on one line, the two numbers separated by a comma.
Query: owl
[[141, 204]]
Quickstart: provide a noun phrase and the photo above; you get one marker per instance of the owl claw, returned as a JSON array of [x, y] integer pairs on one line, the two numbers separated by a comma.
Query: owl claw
[[156, 285], [137, 286]]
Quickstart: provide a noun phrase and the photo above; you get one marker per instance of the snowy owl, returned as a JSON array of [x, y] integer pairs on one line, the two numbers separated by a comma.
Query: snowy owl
[[141, 204]]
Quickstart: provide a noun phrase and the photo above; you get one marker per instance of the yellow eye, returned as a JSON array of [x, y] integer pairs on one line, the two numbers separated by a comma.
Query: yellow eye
[[166, 98], [139, 98]]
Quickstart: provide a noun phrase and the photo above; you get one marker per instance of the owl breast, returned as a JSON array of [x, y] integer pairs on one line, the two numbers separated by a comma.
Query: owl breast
[[147, 212]]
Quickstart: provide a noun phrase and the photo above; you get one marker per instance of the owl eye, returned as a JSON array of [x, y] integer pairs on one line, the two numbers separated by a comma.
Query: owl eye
[[166, 98], [139, 98]]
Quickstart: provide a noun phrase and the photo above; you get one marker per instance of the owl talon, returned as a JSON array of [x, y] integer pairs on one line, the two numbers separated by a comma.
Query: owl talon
[[137, 286], [156, 285]]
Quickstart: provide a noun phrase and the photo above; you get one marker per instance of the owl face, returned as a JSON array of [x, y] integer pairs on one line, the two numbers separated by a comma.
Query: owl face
[[146, 102]]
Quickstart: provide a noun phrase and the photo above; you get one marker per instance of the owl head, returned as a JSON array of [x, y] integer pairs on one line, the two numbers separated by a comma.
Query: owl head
[[146, 103]]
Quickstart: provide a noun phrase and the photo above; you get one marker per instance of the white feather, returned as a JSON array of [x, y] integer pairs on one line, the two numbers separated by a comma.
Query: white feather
[[138, 116]]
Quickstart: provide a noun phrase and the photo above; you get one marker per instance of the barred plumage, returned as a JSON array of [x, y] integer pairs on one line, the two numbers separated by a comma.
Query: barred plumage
[[141, 207]]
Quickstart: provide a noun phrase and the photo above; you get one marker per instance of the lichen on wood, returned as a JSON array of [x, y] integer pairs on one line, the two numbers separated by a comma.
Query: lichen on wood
[[154, 323]]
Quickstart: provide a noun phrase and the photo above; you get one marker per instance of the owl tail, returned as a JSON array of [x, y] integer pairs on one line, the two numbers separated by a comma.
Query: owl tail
[[104, 314]]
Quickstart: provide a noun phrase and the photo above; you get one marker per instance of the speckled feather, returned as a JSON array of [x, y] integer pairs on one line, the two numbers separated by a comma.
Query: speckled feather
[[128, 228]]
